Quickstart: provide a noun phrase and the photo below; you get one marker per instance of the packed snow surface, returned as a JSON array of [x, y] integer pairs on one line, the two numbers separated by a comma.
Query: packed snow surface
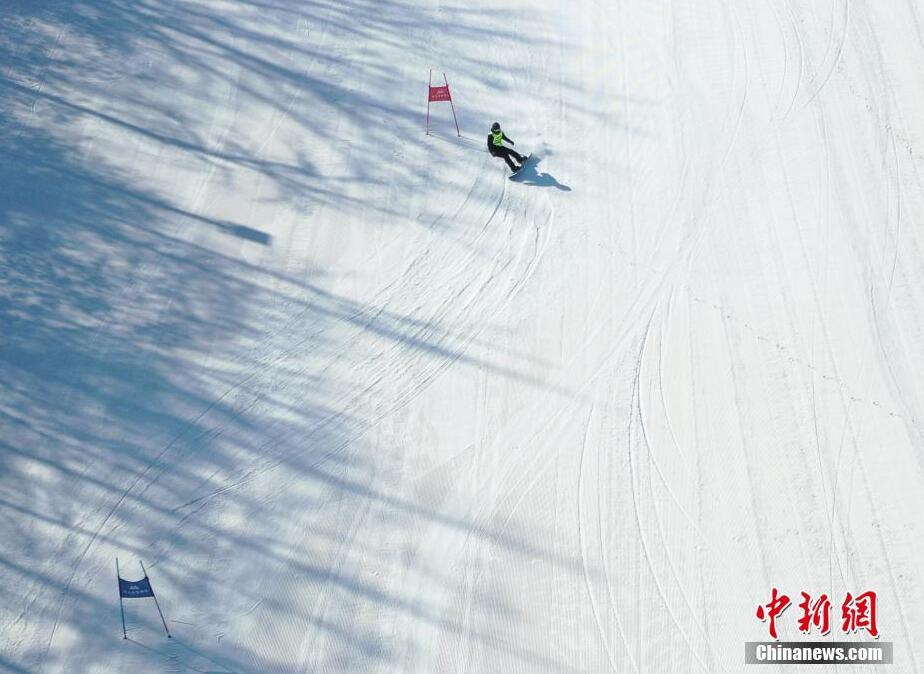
[[362, 404]]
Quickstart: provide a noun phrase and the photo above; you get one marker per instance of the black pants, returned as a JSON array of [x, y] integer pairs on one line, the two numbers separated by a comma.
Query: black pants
[[507, 153]]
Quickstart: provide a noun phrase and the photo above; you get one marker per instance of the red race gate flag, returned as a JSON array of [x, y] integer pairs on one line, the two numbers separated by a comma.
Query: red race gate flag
[[439, 95]]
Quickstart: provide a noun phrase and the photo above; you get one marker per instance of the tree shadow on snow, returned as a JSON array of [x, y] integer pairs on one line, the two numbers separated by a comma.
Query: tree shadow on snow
[[161, 390]]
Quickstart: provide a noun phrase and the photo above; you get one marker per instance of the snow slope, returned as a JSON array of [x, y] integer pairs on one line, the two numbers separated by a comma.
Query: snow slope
[[361, 404]]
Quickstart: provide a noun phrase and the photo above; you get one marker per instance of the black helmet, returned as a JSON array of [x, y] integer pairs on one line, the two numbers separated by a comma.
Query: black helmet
[[495, 127]]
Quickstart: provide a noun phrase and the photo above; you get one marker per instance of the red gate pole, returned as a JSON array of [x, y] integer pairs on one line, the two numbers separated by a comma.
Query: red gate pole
[[455, 119], [429, 86]]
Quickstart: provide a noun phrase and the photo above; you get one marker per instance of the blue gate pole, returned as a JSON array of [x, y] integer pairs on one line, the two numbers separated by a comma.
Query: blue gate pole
[[121, 605], [156, 603]]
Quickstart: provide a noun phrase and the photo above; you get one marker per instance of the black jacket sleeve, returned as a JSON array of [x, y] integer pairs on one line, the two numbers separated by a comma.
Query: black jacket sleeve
[[509, 140]]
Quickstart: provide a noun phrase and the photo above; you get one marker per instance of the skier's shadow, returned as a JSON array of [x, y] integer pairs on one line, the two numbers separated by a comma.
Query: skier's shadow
[[529, 175]]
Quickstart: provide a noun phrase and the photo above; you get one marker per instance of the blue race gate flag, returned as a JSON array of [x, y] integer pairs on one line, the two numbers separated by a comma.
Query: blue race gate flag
[[135, 589]]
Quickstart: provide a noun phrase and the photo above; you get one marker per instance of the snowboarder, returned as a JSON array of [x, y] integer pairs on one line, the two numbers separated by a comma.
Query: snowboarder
[[497, 148]]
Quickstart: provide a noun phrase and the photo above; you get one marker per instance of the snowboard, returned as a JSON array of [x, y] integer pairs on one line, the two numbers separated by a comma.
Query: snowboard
[[522, 165]]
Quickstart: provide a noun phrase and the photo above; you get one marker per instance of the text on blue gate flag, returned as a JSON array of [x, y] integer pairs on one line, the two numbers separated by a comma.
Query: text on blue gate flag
[[134, 589]]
